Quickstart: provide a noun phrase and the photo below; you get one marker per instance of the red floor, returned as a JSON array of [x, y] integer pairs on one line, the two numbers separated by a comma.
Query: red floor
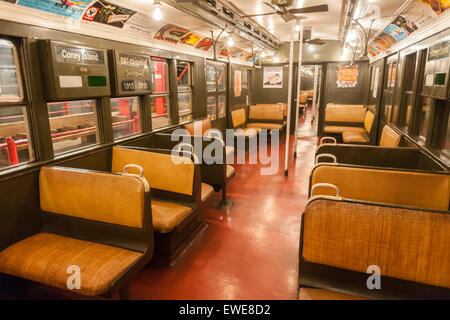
[[251, 251]]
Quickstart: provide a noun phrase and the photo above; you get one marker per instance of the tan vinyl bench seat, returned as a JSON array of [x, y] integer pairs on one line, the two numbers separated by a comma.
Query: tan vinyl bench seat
[[167, 215], [342, 129], [207, 191], [355, 137], [266, 126], [45, 258], [389, 138], [345, 114]]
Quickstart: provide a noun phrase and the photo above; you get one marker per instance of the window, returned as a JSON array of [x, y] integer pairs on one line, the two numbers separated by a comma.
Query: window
[[425, 113], [73, 125], [184, 75], [216, 74], [15, 147], [10, 83], [160, 100], [407, 96], [125, 116], [15, 143]]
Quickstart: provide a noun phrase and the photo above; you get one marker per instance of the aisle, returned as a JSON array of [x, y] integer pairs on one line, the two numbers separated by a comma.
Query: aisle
[[250, 252]]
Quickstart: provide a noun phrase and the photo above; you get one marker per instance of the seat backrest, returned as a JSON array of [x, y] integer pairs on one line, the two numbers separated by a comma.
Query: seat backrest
[[385, 186], [161, 172], [389, 138], [345, 114], [303, 99], [204, 125], [97, 196], [368, 121], [266, 112], [410, 245], [238, 117]]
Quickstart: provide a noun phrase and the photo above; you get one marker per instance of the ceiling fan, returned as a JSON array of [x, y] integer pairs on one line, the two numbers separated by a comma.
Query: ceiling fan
[[280, 7]]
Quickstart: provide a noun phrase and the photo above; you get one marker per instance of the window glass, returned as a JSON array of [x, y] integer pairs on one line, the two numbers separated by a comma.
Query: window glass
[[212, 108], [160, 112], [125, 116], [15, 146], [425, 117], [73, 125], [184, 76], [408, 110], [211, 77], [10, 87], [185, 106], [222, 106], [160, 76], [221, 78], [446, 143], [387, 109]]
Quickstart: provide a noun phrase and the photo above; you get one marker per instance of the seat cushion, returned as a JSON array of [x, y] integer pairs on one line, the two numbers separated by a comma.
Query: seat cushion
[[167, 215], [207, 191], [389, 138], [45, 258], [341, 129], [230, 171], [248, 132], [267, 126], [321, 294], [352, 136]]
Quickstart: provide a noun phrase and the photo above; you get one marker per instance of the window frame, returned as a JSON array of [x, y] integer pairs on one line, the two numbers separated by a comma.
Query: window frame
[[186, 89], [217, 92], [167, 94]]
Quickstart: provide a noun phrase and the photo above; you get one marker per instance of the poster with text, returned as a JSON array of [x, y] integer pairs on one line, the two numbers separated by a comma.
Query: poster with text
[[68, 9], [108, 13], [237, 83], [348, 76], [273, 78]]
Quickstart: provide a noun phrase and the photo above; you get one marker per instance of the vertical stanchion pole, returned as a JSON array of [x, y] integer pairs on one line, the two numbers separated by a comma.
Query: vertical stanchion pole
[[13, 156], [299, 82], [288, 129], [316, 90]]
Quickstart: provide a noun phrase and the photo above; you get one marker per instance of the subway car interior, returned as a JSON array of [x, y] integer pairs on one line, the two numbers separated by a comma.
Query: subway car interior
[[225, 150]]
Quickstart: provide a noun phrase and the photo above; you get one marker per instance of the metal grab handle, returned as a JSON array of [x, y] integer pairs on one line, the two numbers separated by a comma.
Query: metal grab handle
[[326, 185], [322, 141], [326, 155], [140, 176]]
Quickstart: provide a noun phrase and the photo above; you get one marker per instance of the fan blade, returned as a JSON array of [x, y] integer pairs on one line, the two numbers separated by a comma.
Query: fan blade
[[318, 42], [313, 9], [259, 15], [287, 17], [272, 6]]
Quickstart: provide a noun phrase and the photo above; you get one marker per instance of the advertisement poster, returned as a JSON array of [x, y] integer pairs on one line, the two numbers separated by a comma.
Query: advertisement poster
[[204, 44], [108, 13], [190, 39], [273, 78], [438, 6], [348, 77], [171, 33], [375, 83], [69, 9], [237, 83]]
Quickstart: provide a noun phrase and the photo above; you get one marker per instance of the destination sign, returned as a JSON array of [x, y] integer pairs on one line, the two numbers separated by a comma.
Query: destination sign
[[133, 61], [73, 55], [135, 85], [439, 51]]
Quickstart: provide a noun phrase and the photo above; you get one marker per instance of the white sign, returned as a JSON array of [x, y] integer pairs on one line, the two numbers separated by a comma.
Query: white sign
[[273, 78], [375, 83]]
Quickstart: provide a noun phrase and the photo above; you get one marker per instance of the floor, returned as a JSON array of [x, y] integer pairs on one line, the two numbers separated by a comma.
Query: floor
[[251, 251], [247, 252]]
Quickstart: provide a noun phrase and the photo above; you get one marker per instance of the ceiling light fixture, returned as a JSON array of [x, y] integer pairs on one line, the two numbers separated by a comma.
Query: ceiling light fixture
[[230, 42], [157, 13], [276, 59]]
